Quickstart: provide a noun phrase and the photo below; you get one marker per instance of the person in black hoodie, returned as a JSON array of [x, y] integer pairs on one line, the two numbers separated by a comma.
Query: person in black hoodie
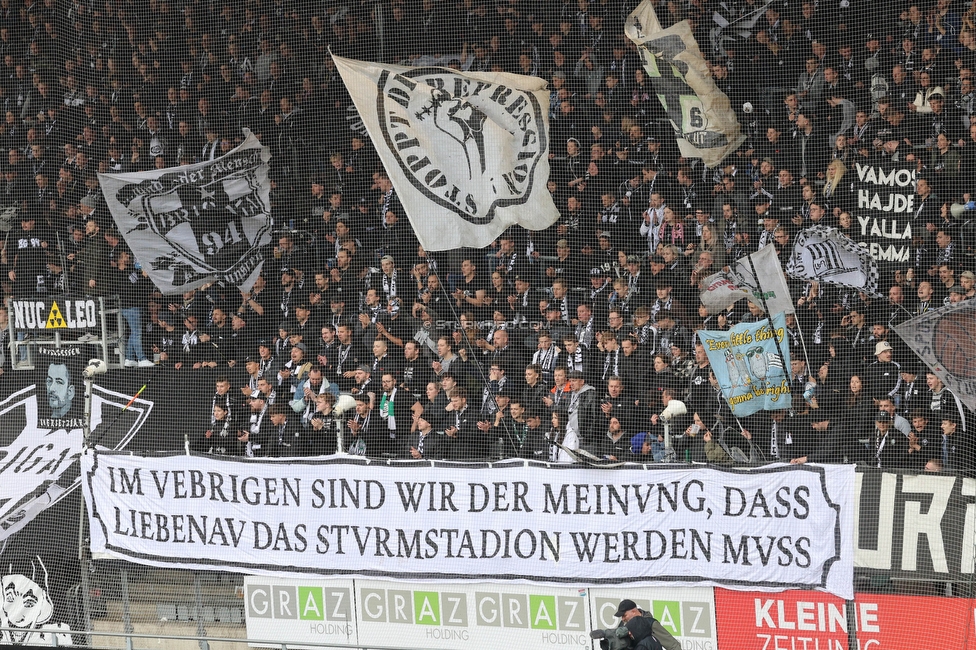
[[534, 446], [133, 287], [614, 444]]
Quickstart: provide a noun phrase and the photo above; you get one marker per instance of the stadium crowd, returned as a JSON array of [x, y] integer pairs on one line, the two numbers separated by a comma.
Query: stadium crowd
[[576, 341]]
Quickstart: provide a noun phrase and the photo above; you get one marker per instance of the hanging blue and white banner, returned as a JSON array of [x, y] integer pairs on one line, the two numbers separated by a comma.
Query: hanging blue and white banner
[[750, 370]]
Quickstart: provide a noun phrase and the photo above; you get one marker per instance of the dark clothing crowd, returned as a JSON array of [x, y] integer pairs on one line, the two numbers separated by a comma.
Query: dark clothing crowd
[[572, 344]]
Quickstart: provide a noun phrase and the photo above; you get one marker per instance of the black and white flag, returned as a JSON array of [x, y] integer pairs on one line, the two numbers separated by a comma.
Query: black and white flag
[[734, 24], [828, 255], [704, 124], [758, 277], [945, 340], [468, 153], [194, 224]]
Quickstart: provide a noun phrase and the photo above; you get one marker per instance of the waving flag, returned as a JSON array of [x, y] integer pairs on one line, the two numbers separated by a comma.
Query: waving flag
[[748, 366], [828, 255], [195, 224], [703, 121], [945, 339], [732, 29], [720, 290], [468, 153]]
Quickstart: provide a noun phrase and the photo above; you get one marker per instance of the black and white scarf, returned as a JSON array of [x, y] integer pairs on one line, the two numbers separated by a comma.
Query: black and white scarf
[[730, 228], [659, 306], [575, 361], [342, 355], [488, 404], [546, 359], [390, 285], [189, 338], [611, 364]]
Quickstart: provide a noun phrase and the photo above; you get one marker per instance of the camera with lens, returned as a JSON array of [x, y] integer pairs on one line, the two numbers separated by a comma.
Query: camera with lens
[[617, 638]]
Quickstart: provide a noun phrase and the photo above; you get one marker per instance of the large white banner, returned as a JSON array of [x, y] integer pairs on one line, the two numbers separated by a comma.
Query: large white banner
[[467, 152], [776, 527], [191, 225]]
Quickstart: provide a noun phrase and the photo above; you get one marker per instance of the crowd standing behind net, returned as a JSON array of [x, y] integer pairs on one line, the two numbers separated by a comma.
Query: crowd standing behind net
[[579, 337]]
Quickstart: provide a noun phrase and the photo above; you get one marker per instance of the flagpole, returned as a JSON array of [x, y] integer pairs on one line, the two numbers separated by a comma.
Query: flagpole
[[467, 340], [769, 319], [803, 344]]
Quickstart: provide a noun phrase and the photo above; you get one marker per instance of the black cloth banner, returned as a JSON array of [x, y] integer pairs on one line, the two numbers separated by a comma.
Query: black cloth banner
[[885, 202]]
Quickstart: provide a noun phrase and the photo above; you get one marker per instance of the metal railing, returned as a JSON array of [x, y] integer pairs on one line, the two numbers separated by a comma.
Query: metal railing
[[203, 641], [108, 333]]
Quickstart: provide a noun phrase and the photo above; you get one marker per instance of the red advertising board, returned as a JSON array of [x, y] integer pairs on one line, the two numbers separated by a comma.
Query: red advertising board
[[811, 620]]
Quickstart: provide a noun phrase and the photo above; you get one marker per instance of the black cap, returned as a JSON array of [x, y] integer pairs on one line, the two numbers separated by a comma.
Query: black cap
[[625, 606], [883, 416], [596, 272], [639, 628]]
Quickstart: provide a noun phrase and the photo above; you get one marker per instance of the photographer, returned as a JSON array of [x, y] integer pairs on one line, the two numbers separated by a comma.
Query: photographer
[[635, 620]]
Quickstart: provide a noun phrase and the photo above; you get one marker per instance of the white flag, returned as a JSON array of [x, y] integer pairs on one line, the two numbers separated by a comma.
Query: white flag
[[828, 255], [703, 121], [768, 282], [468, 153], [720, 290], [945, 339], [194, 224], [732, 28]]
